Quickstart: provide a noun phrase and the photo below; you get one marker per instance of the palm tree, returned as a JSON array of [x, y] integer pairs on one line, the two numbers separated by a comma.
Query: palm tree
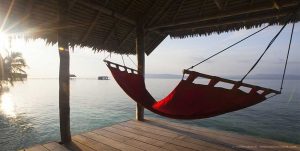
[[12, 67], [1, 72]]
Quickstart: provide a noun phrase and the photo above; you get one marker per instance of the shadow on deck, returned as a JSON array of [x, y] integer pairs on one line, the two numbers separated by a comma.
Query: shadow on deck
[[155, 134]]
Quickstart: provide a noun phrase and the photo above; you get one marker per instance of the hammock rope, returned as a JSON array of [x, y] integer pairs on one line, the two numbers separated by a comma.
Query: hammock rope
[[229, 47], [109, 55], [287, 57], [267, 48], [132, 61], [195, 101], [123, 60], [293, 15]]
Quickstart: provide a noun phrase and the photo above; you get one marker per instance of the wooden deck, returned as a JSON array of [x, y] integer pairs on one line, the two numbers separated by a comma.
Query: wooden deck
[[156, 135]]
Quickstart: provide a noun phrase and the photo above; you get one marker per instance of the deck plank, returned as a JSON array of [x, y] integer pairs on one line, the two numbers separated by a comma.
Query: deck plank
[[196, 143], [136, 136], [92, 143], [160, 135], [110, 142], [37, 148], [145, 137], [76, 146], [170, 140], [221, 138], [54, 146], [237, 140], [127, 140], [178, 139]]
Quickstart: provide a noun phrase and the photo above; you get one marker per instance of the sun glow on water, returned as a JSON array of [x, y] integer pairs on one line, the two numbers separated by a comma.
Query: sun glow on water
[[7, 106]]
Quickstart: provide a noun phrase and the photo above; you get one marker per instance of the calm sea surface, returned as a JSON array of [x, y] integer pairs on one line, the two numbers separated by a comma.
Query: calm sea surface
[[29, 111]]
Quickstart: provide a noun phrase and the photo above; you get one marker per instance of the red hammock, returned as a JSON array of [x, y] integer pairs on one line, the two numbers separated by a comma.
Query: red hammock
[[189, 100]]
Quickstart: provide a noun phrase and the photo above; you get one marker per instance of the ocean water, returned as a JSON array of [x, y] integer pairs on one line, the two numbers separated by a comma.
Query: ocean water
[[29, 111]]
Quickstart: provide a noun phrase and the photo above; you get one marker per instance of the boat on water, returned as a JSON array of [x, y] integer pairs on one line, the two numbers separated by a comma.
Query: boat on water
[[103, 78], [73, 76]]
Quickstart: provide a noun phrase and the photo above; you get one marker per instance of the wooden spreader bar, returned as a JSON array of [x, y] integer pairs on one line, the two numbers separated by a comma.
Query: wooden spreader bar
[[214, 80]]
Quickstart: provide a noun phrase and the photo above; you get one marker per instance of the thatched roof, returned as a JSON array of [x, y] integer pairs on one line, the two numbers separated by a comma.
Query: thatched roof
[[110, 24]]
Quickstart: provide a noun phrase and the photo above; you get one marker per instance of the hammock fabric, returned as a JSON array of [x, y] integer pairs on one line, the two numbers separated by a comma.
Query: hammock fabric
[[189, 100]]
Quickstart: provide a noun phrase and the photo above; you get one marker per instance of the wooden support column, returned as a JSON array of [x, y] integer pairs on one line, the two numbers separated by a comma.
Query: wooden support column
[[64, 73], [140, 51]]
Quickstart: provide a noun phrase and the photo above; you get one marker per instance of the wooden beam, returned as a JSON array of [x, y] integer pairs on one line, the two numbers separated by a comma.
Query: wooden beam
[[200, 25], [275, 4], [126, 37], [93, 23], [116, 23], [91, 27], [178, 10], [27, 14], [228, 13], [48, 27], [72, 3], [107, 11], [64, 74], [140, 51], [146, 33], [12, 3], [201, 8], [160, 13], [220, 4], [230, 81], [225, 4], [143, 20]]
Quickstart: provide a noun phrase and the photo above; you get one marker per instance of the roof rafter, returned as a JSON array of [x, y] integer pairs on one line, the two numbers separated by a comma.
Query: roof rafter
[[27, 14], [91, 27], [93, 23], [177, 18], [160, 13], [143, 17], [71, 4], [126, 37], [220, 4], [227, 13], [108, 12], [116, 23], [275, 4], [226, 22], [11, 5], [178, 10], [202, 7]]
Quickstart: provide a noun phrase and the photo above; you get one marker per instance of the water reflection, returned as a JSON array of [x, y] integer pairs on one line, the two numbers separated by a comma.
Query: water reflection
[[7, 106]]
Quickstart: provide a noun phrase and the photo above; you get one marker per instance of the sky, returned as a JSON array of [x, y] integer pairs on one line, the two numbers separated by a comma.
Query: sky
[[173, 55]]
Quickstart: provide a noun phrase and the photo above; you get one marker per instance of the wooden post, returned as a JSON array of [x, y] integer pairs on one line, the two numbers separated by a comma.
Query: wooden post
[[64, 74], [140, 51]]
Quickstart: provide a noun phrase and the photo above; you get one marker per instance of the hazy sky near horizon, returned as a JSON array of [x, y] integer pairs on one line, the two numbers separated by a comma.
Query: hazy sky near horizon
[[174, 55]]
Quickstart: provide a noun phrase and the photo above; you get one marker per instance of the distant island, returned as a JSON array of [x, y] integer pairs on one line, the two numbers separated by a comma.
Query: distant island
[[103, 78], [257, 76]]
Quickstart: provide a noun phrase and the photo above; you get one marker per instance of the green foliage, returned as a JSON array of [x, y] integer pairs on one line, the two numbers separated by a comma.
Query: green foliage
[[12, 68]]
